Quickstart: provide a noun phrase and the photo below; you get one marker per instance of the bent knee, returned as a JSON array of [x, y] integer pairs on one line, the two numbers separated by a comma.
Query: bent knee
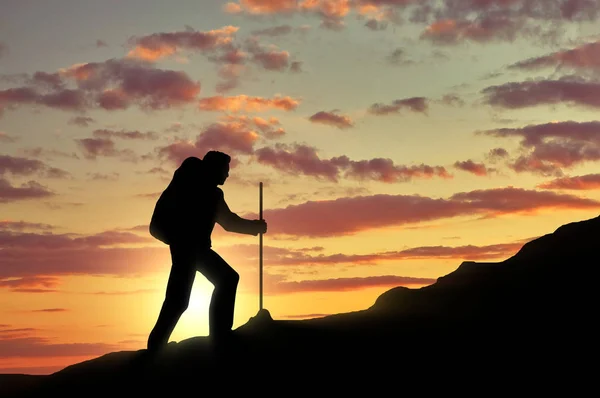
[[234, 278]]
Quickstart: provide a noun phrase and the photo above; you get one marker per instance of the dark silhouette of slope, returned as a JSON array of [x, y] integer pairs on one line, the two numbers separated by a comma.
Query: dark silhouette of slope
[[524, 321]]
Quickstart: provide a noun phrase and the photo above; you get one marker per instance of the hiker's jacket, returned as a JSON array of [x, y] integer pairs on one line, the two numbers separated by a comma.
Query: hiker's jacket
[[186, 215]]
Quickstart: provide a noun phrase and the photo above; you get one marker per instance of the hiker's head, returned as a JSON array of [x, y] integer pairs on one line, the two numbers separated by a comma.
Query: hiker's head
[[216, 166]]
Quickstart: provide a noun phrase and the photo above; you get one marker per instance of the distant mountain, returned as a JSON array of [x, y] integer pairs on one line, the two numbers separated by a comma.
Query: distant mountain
[[525, 321]]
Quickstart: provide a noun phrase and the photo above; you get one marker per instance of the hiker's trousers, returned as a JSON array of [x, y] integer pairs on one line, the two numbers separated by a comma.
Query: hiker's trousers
[[186, 260]]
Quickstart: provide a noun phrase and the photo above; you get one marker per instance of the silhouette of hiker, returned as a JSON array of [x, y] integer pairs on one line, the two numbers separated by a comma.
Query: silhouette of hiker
[[184, 218]]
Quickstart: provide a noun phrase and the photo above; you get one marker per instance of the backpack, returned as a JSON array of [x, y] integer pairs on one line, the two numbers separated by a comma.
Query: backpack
[[161, 221], [167, 211]]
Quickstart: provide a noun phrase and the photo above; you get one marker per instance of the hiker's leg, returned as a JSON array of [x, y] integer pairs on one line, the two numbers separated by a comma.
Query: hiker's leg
[[225, 280], [177, 296]]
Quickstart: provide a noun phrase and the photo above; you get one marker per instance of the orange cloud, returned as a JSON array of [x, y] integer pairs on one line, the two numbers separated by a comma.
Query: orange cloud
[[585, 182], [345, 284], [160, 45], [261, 6], [247, 103]]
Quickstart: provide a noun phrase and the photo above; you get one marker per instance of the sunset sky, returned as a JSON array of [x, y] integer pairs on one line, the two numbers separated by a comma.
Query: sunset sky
[[395, 139]]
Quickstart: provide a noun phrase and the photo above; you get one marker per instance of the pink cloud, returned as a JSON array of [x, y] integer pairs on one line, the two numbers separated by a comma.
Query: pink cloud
[[585, 182], [95, 147], [517, 95], [551, 147], [42, 284], [497, 153], [273, 59], [232, 134], [479, 169], [26, 191], [109, 85], [333, 119], [346, 216], [415, 104], [451, 31], [82, 121], [305, 160], [24, 225], [130, 135], [584, 57]]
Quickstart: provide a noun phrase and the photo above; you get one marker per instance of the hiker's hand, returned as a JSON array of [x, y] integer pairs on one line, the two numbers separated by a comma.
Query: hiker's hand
[[261, 226]]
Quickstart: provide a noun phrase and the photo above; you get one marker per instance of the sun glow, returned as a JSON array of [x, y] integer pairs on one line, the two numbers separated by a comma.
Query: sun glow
[[194, 321]]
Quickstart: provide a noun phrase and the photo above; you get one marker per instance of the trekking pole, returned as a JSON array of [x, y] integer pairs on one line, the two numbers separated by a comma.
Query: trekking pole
[[260, 244]]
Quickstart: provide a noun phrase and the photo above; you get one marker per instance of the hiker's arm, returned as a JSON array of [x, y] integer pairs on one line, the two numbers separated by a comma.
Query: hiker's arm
[[233, 223]]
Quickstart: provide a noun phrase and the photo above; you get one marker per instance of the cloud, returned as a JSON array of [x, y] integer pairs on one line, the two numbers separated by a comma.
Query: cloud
[[26, 191], [346, 284], [273, 31], [583, 57], [129, 135], [415, 104], [497, 153], [159, 45], [39, 152], [232, 134], [569, 90], [110, 85], [101, 43], [398, 57], [479, 169], [247, 103], [35, 347], [29, 284], [452, 100], [82, 121], [277, 256], [448, 21], [332, 119], [92, 148], [347, 216], [51, 310], [6, 138], [551, 147], [24, 225], [103, 177], [301, 159], [585, 182]]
